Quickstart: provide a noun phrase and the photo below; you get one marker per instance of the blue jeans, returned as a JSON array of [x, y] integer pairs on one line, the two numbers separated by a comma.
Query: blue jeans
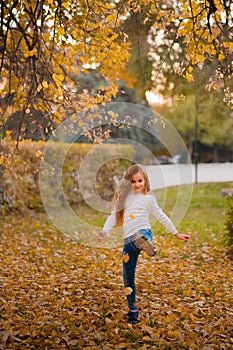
[[129, 264]]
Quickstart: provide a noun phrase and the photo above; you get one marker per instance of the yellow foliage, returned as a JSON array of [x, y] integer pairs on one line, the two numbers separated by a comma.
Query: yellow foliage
[[46, 37], [128, 290], [58, 78], [113, 37], [4, 161], [221, 57], [67, 296], [66, 5], [8, 134], [60, 31], [39, 88], [111, 17], [228, 45], [77, 35], [189, 77], [45, 84]]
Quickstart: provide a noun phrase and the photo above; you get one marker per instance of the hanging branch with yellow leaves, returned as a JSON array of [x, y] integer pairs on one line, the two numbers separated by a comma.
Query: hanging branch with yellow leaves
[[46, 44]]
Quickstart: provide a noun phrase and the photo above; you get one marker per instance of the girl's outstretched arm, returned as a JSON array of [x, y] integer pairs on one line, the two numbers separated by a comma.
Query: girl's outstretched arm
[[182, 236]]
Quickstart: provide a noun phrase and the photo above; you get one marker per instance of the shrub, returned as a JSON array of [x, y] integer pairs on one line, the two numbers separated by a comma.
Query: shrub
[[19, 180], [19, 176]]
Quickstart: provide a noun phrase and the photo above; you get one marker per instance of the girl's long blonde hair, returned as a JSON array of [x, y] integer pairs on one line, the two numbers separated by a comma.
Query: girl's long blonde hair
[[125, 188]]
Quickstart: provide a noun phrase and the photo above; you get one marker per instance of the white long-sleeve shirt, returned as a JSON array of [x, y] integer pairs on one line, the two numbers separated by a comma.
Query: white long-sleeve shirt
[[138, 207]]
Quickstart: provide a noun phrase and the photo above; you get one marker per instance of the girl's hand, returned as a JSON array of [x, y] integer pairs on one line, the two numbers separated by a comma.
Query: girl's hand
[[100, 236], [182, 237]]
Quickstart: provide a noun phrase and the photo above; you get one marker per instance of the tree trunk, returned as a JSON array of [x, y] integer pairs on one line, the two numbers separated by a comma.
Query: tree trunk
[[215, 154]]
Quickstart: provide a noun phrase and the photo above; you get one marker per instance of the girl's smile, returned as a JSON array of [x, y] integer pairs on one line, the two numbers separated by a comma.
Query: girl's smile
[[138, 182]]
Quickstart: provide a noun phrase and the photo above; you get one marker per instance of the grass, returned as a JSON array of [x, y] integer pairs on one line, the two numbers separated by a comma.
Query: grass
[[207, 212]]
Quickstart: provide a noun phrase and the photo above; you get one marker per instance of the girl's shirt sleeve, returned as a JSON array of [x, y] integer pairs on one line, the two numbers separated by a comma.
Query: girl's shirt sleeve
[[157, 212], [110, 223]]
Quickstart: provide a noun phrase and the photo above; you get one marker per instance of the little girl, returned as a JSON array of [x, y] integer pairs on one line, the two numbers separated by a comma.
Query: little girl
[[133, 204]]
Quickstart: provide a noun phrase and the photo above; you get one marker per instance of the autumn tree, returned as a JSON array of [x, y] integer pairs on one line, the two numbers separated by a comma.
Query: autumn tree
[[46, 44], [170, 38], [44, 47], [188, 53]]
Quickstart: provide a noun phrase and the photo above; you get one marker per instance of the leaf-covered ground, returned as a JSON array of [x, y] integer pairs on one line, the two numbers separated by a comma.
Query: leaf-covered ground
[[56, 294]]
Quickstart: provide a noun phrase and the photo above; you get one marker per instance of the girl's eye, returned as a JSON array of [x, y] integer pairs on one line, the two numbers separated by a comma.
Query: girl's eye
[[140, 181], [133, 182]]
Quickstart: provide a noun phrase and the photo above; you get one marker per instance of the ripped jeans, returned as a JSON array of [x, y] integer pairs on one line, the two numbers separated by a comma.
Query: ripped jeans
[[129, 264]]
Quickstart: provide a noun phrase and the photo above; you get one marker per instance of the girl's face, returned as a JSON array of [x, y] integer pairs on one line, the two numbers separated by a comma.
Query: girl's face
[[138, 183]]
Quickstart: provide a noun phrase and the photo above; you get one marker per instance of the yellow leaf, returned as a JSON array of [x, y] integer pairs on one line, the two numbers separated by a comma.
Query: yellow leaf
[[126, 259], [146, 338], [59, 91], [32, 52], [58, 78], [168, 319], [188, 292], [68, 303], [65, 5], [111, 17], [39, 87], [201, 58], [99, 99], [46, 37], [57, 117], [189, 77], [112, 114], [39, 154], [8, 134], [215, 32], [228, 45], [123, 345], [72, 51], [128, 290], [60, 31], [82, 59], [113, 37], [45, 84], [221, 57]]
